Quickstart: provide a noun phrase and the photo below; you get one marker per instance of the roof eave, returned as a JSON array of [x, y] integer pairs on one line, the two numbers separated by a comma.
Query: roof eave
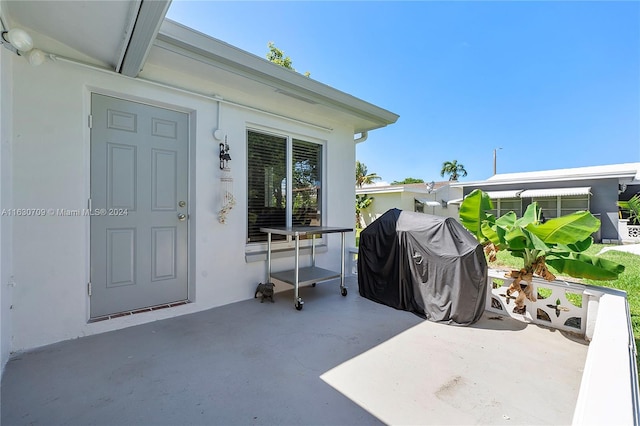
[[510, 181], [392, 189], [177, 36]]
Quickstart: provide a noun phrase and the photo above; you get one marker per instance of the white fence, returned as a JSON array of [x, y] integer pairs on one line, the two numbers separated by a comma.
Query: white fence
[[628, 233], [559, 304]]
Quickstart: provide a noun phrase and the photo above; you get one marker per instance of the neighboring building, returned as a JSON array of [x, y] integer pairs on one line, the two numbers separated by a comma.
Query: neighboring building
[[431, 198], [127, 118], [558, 192]]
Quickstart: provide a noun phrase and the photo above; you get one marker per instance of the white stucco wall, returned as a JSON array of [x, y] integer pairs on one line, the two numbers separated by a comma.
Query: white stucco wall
[[5, 203], [405, 200], [380, 204], [51, 170]]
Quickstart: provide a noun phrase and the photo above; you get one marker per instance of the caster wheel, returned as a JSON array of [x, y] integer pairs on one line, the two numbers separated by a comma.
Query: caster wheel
[[299, 304], [313, 285], [343, 291]]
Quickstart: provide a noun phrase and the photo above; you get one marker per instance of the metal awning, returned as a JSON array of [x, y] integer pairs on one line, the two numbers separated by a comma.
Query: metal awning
[[555, 192], [429, 203], [455, 201], [496, 195]]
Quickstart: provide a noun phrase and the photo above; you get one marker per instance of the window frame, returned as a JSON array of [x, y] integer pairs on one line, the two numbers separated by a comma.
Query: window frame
[[559, 209], [289, 136], [499, 210]]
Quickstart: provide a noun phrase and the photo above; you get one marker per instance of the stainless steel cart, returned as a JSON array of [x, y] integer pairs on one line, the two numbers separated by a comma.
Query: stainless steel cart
[[310, 274]]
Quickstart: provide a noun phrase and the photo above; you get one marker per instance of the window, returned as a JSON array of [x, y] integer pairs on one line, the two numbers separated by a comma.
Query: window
[[549, 206], [560, 206], [505, 205], [284, 178], [572, 204]]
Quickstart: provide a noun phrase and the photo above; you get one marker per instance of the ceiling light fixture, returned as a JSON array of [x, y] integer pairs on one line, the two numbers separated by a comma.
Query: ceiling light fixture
[[19, 39], [20, 42]]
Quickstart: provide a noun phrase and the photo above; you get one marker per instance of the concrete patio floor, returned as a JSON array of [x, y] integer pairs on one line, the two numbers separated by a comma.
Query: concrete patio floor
[[339, 361]]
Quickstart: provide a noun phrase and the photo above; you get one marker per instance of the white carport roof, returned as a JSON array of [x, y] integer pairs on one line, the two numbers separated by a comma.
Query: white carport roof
[[555, 192]]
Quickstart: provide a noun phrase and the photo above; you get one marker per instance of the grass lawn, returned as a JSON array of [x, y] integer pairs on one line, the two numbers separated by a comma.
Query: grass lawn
[[628, 281]]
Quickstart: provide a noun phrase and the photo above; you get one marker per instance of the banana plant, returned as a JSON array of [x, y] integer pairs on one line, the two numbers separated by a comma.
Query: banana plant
[[558, 242], [634, 209]]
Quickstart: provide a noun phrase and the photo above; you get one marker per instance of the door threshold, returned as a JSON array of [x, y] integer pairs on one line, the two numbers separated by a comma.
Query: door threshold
[[138, 311]]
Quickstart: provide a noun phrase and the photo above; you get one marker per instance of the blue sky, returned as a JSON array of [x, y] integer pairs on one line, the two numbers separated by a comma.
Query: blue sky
[[554, 84]]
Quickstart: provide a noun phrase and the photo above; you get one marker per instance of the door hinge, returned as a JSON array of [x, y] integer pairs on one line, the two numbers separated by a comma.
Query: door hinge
[[89, 288], [90, 121], [89, 205]]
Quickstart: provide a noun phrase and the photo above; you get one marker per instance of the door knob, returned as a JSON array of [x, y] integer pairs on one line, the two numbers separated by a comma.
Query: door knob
[[182, 217]]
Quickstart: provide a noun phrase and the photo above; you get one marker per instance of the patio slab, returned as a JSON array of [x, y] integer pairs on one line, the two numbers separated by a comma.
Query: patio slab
[[341, 360]]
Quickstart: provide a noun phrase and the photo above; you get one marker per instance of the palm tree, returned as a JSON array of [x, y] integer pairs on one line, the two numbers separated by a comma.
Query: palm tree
[[362, 202], [453, 169], [363, 176]]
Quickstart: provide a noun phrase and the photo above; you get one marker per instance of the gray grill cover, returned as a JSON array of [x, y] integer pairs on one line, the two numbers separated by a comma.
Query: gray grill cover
[[429, 265]]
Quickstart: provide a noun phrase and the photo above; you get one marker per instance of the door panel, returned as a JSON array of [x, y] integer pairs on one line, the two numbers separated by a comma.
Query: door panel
[[121, 253], [163, 180], [121, 177], [139, 166], [163, 253]]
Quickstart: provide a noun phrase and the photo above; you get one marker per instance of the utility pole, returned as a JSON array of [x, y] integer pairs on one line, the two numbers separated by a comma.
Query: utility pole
[[495, 150]]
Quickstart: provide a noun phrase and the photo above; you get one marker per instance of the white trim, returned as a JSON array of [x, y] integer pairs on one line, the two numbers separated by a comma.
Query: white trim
[[149, 17], [133, 14], [628, 171], [88, 91], [420, 188], [555, 192], [497, 195], [429, 203], [193, 44], [260, 247]]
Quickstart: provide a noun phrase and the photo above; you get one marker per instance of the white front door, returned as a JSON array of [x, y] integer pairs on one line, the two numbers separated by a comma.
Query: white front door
[[139, 222]]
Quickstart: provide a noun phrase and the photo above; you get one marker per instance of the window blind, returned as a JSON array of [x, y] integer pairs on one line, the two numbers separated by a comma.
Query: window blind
[[266, 184]]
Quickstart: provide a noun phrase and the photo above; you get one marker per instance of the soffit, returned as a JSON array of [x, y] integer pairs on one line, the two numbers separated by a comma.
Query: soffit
[[97, 29]]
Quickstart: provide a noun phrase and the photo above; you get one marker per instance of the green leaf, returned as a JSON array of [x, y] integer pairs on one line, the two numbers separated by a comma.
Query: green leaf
[[518, 239], [473, 212], [494, 234], [560, 250], [634, 208], [581, 245], [566, 229], [530, 215], [579, 265], [507, 220], [538, 244]]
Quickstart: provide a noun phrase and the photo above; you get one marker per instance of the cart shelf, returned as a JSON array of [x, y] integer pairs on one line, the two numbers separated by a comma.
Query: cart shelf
[[307, 275], [310, 274]]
